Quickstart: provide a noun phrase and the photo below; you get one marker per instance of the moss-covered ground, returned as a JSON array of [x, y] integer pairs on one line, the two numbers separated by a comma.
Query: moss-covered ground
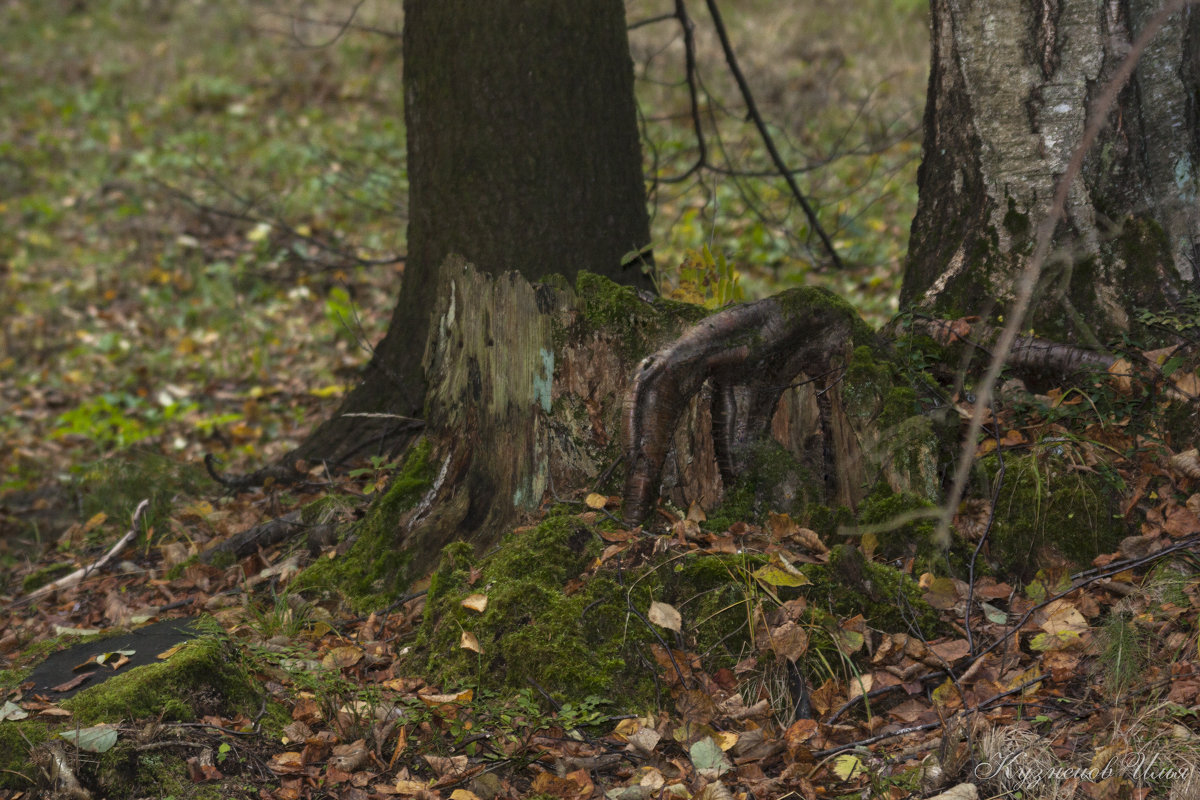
[[204, 677]]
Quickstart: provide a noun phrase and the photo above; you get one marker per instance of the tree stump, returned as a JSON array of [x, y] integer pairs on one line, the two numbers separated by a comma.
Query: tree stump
[[528, 385]]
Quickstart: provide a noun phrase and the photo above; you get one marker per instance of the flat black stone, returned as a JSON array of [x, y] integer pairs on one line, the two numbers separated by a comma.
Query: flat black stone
[[147, 643]]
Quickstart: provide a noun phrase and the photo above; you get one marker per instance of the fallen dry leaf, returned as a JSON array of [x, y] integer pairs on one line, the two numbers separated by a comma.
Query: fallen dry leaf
[[475, 602], [665, 615]]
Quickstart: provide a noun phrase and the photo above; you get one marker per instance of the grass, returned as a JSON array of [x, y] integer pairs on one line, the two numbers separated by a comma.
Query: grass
[[198, 209]]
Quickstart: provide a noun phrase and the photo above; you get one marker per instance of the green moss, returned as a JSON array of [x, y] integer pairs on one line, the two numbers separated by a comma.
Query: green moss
[[737, 505], [23, 663], [806, 302], [548, 623], [326, 509], [899, 404], [205, 676], [533, 630], [115, 485], [888, 599], [718, 599], [374, 570], [640, 327], [904, 431], [17, 739], [913, 539], [1045, 505], [774, 480], [130, 770], [826, 520]]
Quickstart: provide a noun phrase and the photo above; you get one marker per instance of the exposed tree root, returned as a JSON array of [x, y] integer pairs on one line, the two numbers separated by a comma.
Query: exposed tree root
[[752, 353]]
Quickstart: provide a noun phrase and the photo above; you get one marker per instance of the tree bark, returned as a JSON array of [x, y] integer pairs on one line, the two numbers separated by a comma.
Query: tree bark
[[1010, 90], [524, 155]]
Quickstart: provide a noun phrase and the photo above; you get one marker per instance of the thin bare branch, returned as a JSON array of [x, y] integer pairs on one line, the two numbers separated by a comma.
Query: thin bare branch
[[768, 141]]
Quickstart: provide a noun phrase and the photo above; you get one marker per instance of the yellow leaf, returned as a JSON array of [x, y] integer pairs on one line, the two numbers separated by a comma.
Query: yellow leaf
[[432, 700], [848, 766], [861, 684], [1122, 372], [666, 616], [165, 654], [1062, 616], [780, 572], [850, 641], [475, 602], [407, 788], [341, 657], [946, 694], [94, 522], [595, 501], [726, 739], [468, 642], [780, 525]]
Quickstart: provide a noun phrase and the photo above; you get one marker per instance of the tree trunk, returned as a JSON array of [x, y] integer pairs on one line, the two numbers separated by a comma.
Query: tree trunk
[[1010, 90], [523, 155]]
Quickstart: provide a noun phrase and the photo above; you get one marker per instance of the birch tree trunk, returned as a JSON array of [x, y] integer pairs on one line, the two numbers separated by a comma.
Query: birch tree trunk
[[1010, 89]]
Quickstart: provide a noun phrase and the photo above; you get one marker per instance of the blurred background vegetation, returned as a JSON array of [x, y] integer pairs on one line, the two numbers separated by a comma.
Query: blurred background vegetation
[[202, 202]]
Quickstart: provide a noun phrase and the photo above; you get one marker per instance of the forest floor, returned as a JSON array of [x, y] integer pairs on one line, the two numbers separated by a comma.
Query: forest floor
[[201, 226], [1083, 684]]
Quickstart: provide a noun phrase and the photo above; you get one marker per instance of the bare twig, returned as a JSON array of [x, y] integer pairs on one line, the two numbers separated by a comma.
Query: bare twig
[[768, 141], [273, 221], [79, 574]]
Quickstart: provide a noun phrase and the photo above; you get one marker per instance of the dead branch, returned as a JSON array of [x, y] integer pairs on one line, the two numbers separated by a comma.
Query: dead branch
[[260, 536], [764, 134], [79, 574]]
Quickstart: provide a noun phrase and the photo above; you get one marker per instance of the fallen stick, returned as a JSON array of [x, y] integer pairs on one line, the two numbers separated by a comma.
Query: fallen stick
[[81, 573]]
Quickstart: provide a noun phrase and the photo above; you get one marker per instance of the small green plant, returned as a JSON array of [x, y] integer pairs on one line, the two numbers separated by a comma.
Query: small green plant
[[114, 420], [340, 311], [1185, 319], [585, 713], [704, 280], [1124, 652], [285, 615], [378, 473]]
